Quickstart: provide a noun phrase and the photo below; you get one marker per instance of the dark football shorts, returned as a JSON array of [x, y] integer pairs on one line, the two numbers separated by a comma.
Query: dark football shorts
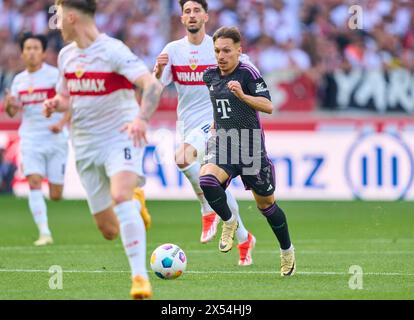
[[263, 183]]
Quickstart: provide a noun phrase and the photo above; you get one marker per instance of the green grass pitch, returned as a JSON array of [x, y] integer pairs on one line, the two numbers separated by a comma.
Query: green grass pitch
[[329, 237]]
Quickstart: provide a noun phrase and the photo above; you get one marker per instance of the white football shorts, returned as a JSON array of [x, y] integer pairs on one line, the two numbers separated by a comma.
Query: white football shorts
[[95, 172], [47, 160]]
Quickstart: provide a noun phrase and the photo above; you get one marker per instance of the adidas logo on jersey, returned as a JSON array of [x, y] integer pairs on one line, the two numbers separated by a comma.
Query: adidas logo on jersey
[[86, 85], [261, 87]]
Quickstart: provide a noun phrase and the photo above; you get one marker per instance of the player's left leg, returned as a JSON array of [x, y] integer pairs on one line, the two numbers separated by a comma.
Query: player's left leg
[[132, 231], [276, 218], [34, 164]]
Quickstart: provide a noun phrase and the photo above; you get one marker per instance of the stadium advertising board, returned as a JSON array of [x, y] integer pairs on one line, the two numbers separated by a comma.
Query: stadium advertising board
[[317, 165]]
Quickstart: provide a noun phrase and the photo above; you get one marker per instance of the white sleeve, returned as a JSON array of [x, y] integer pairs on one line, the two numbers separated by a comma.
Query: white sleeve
[[61, 85], [127, 63], [14, 90], [166, 77]]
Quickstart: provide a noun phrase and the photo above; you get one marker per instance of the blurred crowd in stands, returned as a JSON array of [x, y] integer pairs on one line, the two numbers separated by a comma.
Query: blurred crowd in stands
[[309, 35]]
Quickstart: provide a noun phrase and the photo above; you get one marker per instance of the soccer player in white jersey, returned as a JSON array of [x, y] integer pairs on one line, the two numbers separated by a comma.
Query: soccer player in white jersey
[[184, 62], [43, 142], [98, 75]]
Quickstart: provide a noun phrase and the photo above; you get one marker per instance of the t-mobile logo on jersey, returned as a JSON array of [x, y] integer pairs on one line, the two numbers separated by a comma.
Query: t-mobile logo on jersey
[[223, 107]]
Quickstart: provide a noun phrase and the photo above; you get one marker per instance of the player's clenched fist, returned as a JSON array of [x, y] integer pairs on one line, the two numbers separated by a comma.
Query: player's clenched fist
[[162, 61], [235, 87], [49, 107]]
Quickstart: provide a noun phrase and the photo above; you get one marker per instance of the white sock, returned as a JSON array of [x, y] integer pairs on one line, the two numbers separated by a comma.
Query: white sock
[[133, 236], [37, 205], [241, 234], [192, 172], [292, 248], [231, 220]]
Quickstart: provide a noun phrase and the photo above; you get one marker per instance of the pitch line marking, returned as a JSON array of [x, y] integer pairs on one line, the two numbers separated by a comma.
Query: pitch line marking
[[30, 250], [323, 273]]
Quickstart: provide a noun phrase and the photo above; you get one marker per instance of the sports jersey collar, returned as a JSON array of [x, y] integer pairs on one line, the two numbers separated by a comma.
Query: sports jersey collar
[[206, 36], [34, 73], [97, 40], [229, 75]]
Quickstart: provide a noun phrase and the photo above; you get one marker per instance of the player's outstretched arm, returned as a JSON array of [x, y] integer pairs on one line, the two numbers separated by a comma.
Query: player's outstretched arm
[[59, 103], [261, 104], [12, 104]]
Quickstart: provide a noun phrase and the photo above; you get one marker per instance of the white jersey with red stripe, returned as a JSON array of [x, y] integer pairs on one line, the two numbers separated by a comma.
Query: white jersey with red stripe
[[32, 89], [186, 65], [100, 83]]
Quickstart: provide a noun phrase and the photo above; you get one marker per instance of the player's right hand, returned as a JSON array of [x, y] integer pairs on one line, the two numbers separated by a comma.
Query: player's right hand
[[49, 106], [137, 132], [11, 101], [162, 61]]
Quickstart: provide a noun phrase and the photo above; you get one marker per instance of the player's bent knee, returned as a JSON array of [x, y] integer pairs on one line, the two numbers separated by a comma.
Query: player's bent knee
[[56, 195], [35, 182], [121, 198], [265, 204], [207, 169], [185, 156], [184, 162], [109, 232], [181, 164]]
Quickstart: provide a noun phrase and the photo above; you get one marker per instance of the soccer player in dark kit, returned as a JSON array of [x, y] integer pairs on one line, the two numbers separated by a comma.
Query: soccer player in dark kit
[[237, 148]]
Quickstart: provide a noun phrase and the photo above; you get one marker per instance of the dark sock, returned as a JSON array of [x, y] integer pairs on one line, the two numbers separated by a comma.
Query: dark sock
[[216, 196], [277, 221]]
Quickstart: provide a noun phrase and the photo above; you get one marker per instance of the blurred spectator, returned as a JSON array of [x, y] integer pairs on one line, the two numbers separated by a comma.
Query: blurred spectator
[[309, 36], [7, 171]]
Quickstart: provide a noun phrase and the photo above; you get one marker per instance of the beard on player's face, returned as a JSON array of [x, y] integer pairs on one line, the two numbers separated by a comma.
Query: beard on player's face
[[193, 30], [194, 26]]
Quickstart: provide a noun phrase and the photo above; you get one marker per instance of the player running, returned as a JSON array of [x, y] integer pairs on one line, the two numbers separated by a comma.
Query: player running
[[43, 142], [183, 62], [98, 74], [238, 93]]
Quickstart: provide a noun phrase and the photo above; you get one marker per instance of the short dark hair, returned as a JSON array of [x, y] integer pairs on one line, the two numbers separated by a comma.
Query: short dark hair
[[29, 35], [228, 33], [203, 3], [86, 6]]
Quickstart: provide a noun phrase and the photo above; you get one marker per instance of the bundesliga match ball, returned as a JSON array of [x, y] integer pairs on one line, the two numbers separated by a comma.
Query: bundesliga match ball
[[168, 261]]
